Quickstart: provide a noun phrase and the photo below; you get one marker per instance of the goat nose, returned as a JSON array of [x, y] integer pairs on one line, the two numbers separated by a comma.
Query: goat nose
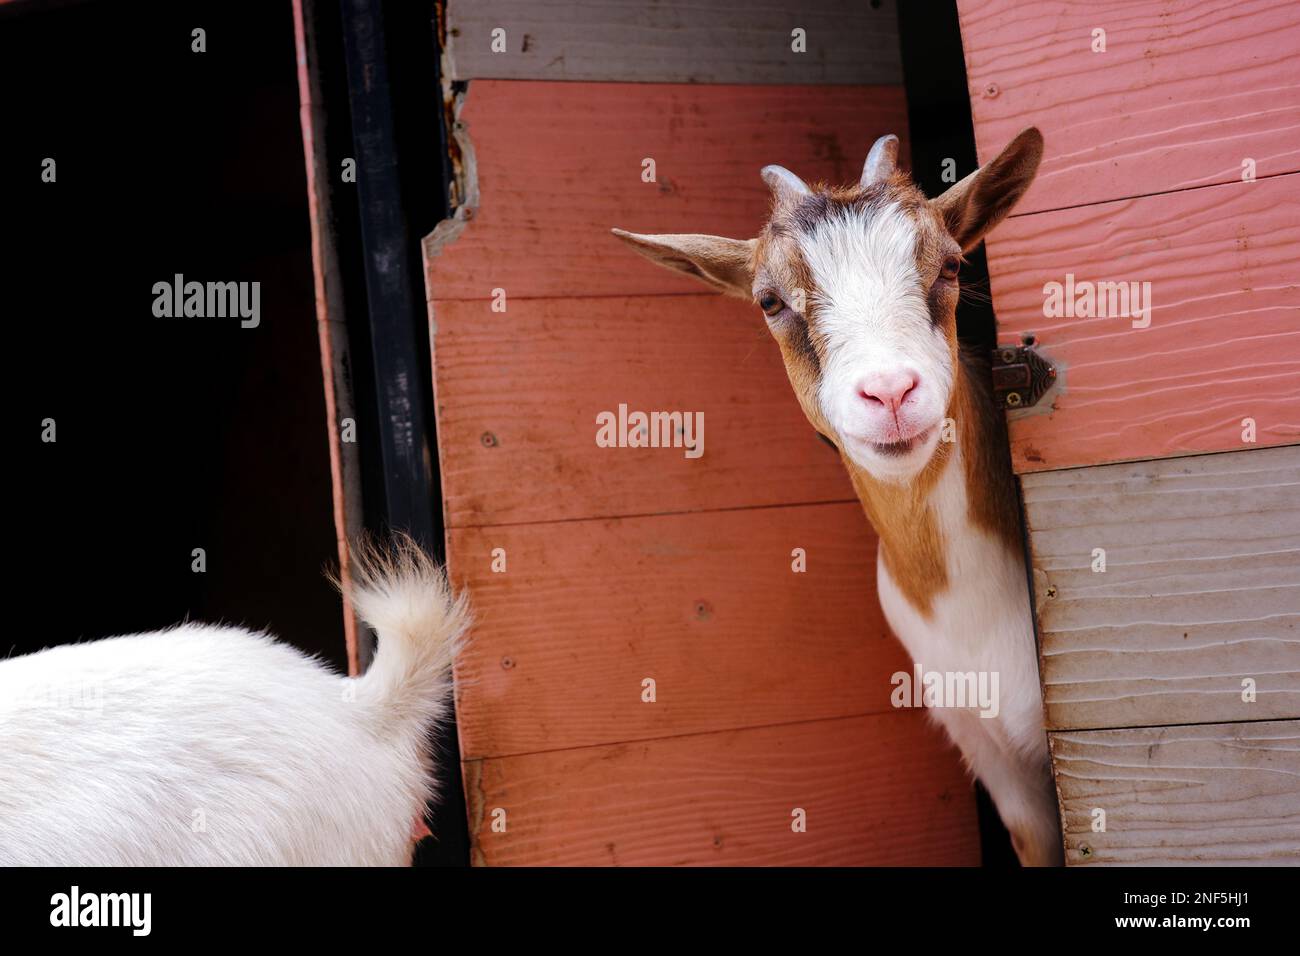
[[889, 389]]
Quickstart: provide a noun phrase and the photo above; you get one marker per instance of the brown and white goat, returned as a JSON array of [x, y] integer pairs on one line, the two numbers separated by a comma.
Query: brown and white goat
[[859, 286]]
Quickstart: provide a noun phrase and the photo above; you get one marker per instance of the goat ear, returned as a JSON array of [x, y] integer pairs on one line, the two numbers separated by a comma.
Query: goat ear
[[725, 264], [983, 199]]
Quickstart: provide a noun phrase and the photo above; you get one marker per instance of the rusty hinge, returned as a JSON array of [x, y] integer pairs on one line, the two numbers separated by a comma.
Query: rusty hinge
[[1020, 374]]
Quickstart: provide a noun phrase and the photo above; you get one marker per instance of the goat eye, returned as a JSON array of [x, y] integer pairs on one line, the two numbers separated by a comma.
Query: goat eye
[[951, 266], [770, 303]]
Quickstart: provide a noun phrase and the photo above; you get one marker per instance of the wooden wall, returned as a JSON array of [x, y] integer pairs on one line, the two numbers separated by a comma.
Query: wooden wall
[[1200, 592], [630, 564], [1207, 794], [1172, 158], [1142, 181]]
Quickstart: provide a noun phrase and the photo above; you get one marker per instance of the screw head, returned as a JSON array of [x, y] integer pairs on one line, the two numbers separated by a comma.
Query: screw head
[[1051, 590], [1013, 399], [991, 90], [489, 440]]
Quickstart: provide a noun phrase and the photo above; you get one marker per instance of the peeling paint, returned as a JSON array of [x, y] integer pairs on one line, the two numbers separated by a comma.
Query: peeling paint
[[464, 190]]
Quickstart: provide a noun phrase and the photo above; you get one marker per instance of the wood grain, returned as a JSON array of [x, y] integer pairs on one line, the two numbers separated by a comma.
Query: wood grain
[[1182, 95], [1222, 344], [878, 791], [535, 377], [332, 329], [560, 164], [1201, 589], [706, 605], [704, 41], [1218, 794]]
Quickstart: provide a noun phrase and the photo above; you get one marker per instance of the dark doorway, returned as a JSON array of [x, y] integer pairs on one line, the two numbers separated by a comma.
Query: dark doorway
[[172, 433]]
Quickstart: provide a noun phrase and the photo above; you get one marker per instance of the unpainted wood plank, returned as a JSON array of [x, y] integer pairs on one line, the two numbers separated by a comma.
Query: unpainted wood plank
[[1215, 794], [708, 606], [1222, 343], [883, 790], [518, 394], [560, 164], [1201, 589], [703, 41], [1183, 95]]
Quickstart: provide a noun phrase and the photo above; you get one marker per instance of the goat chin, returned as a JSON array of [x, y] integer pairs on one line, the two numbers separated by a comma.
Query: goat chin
[[210, 746]]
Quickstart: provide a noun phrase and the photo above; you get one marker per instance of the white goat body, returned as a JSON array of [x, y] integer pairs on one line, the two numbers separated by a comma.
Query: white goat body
[[207, 745]]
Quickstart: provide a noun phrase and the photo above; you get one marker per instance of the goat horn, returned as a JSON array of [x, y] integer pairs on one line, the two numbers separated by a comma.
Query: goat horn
[[881, 161], [784, 183]]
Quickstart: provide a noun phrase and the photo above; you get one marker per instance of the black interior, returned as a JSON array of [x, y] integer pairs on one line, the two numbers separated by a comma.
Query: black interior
[[172, 434]]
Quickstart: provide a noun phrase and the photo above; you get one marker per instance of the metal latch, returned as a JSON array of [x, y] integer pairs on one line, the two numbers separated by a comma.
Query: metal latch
[[1020, 374]]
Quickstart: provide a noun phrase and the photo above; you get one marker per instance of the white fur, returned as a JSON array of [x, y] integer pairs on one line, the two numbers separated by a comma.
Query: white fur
[[874, 316], [873, 313], [981, 623], [216, 746]]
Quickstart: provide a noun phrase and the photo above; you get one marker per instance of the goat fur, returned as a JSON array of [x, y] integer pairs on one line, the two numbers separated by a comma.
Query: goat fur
[[203, 745]]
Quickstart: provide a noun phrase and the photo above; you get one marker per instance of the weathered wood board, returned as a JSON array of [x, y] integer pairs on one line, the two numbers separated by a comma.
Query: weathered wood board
[[332, 330], [1212, 794], [535, 377], [1183, 95], [1222, 346], [882, 790], [1201, 589], [704, 41], [560, 164], [708, 605]]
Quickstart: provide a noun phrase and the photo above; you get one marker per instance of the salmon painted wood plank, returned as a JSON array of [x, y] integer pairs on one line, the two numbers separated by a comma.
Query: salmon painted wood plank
[[332, 330], [518, 394], [557, 165], [1222, 346], [702, 41], [707, 605], [882, 790], [1200, 589], [1212, 794], [1183, 95]]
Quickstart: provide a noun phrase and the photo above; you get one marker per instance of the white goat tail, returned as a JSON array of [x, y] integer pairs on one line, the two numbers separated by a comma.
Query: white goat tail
[[420, 625], [210, 746]]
